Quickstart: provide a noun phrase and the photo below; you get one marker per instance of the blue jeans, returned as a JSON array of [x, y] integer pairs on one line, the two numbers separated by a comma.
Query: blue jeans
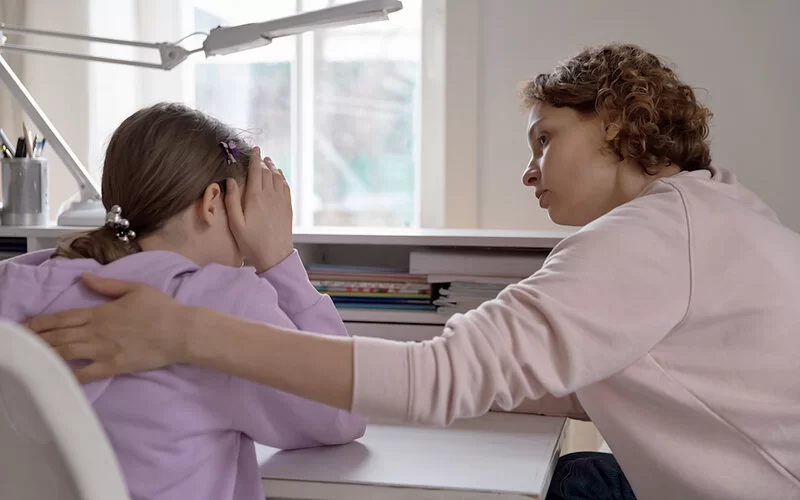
[[589, 475]]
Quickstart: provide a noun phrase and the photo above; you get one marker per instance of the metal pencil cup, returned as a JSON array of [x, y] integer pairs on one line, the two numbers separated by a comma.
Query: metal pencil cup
[[25, 197]]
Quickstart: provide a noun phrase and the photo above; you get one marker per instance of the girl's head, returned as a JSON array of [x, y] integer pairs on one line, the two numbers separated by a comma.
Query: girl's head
[[603, 125], [166, 169]]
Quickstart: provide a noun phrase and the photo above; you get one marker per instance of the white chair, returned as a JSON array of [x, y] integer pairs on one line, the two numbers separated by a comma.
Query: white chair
[[52, 445]]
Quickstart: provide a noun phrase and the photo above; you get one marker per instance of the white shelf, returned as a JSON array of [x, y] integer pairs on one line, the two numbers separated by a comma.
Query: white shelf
[[367, 236], [38, 231], [431, 237], [401, 317], [357, 246]]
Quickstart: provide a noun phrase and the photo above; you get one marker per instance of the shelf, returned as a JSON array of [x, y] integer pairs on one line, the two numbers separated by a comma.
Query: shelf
[[367, 236], [495, 238], [38, 231], [401, 317]]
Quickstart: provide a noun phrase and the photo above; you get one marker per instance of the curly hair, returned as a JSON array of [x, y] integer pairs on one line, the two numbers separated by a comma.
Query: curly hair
[[658, 118]]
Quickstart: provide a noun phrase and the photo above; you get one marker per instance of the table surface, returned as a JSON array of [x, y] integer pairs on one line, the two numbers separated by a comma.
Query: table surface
[[499, 455]]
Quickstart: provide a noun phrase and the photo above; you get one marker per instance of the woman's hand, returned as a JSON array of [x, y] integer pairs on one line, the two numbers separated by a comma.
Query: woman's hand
[[262, 222], [143, 330]]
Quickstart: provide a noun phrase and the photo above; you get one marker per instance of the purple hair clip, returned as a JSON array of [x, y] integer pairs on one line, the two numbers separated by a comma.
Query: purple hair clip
[[230, 150]]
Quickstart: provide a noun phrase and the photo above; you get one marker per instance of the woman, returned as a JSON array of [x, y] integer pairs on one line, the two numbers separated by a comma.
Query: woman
[[669, 319]]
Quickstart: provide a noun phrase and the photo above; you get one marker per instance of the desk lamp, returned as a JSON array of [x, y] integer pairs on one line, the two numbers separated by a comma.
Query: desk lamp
[[88, 210]]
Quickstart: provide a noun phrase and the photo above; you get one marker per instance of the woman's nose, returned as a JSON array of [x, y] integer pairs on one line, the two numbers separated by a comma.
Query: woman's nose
[[530, 176]]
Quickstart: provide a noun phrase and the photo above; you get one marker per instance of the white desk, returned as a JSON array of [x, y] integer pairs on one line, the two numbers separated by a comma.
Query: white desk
[[498, 456]]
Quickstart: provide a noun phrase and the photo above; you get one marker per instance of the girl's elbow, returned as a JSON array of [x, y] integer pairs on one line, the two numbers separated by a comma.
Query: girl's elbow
[[346, 428]]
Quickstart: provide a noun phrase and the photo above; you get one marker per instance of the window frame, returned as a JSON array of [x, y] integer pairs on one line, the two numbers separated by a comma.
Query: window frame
[[446, 193]]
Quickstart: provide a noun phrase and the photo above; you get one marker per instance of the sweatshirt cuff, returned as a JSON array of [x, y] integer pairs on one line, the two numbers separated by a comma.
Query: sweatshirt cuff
[[295, 291], [381, 378]]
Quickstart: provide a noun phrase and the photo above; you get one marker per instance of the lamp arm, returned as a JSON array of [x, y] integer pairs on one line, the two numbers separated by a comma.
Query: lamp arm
[[171, 54], [88, 187]]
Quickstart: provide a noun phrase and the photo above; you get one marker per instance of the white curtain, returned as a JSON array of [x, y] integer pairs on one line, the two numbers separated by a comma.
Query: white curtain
[[12, 12]]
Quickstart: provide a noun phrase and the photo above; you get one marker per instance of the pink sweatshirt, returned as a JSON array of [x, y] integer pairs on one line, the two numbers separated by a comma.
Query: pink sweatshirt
[[673, 322], [185, 432]]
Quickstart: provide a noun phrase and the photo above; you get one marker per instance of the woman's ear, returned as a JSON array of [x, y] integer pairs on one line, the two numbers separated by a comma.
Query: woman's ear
[[611, 131], [211, 204]]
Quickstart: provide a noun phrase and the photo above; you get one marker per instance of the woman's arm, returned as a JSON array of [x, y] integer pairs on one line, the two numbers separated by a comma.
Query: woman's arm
[[551, 406], [145, 329], [605, 297], [316, 367]]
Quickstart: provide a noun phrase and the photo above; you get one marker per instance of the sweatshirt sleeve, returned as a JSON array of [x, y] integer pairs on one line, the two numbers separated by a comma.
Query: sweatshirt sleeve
[[308, 309], [605, 296], [568, 406], [275, 418]]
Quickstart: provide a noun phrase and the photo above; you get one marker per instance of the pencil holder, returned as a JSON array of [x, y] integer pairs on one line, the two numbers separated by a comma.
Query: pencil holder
[[25, 197]]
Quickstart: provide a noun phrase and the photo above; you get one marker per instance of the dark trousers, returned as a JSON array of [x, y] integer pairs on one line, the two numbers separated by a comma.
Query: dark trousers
[[589, 475]]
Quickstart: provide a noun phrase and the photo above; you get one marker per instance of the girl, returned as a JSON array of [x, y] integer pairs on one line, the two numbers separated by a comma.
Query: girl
[[184, 432], [670, 319]]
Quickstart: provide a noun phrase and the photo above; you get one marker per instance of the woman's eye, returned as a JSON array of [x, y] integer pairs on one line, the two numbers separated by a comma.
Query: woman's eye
[[542, 140]]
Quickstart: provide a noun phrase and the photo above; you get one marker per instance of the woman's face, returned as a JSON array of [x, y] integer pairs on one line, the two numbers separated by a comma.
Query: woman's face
[[575, 176]]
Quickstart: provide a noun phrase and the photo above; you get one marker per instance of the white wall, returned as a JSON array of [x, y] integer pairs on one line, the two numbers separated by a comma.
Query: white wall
[[744, 52], [12, 12], [741, 51], [449, 128], [119, 90], [60, 86]]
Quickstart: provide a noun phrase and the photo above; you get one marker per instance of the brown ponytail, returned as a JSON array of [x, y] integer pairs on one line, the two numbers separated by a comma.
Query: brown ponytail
[[101, 245], [159, 161]]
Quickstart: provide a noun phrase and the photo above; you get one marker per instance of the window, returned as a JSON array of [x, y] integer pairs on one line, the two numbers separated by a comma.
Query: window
[[337, 110]]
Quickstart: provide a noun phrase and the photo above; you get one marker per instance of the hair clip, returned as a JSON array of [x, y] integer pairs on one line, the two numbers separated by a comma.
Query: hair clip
[[120, 225], [230, 150]]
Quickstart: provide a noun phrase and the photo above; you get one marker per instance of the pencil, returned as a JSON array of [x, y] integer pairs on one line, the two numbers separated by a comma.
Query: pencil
[[27, 135]]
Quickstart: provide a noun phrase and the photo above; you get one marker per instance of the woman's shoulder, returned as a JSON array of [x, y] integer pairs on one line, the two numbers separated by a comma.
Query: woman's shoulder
[[657, 217], [717, 191]]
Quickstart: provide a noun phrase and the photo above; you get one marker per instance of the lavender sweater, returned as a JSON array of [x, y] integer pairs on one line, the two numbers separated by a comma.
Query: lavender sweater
[[185, 432]]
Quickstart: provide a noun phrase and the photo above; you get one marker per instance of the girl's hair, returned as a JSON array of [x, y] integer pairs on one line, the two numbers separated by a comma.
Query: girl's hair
[[658, 118], [159, 162]]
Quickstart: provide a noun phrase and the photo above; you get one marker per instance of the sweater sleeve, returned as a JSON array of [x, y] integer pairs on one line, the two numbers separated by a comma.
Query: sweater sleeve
[[568, 406], [605, 296], [308, 309], [272, 417]]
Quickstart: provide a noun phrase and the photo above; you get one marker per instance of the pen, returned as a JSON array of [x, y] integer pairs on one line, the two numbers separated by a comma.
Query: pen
[[20, 151], [6, 152], [6, 141]]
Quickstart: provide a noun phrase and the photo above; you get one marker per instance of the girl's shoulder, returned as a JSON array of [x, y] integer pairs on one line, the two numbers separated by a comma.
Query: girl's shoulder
[[224, 288]]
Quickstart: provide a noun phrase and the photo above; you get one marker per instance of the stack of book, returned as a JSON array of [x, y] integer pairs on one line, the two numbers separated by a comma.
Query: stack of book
[[462, 296], [372, 288], [463, 280]]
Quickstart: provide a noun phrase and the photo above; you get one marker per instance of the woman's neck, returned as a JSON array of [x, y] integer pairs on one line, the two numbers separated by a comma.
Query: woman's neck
[[633, 180]]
